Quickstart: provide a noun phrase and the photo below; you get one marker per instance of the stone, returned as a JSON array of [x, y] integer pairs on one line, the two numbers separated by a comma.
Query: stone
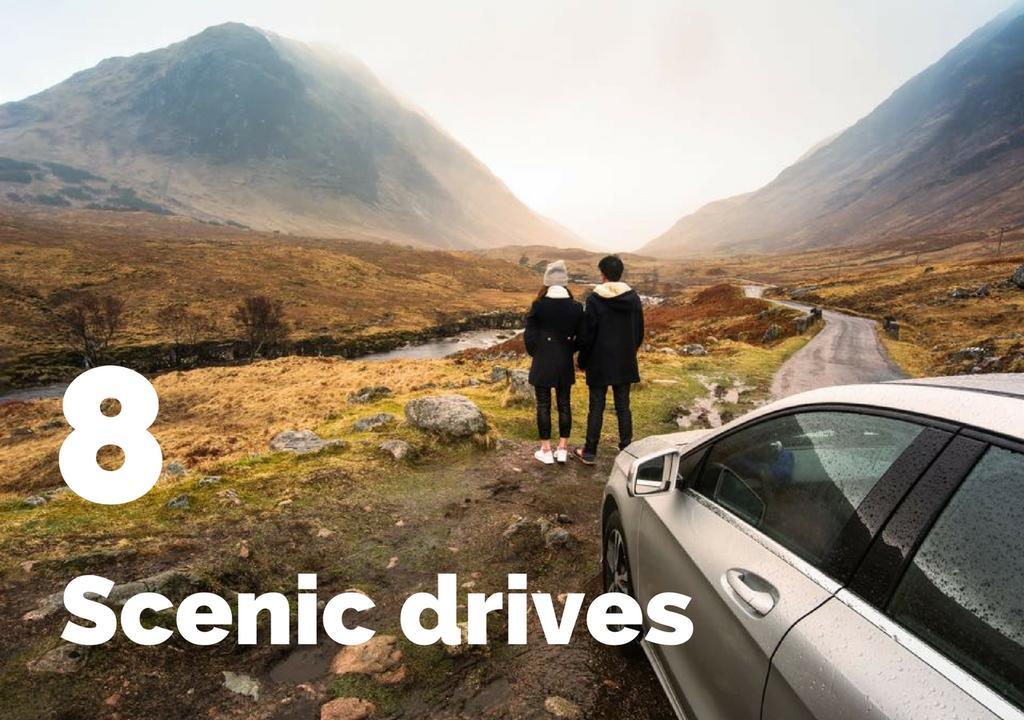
[[1018, 277], [373, 422], [380, 658], [346, 708], [499, 374], [21, 432], [969, 353], [447, 415], [398, 449], [64, 659], [181, 502], [242, 684], [34, 501], [53, 424], [774, 332], [694, 350], [209, 480], [302, 442], [523, 535], [558, 537], [519, 388], [369, 394], [176, 469], [562, 708]]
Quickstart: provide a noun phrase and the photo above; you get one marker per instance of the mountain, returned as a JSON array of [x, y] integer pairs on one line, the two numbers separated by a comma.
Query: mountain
[[944, 153], [242, 126]]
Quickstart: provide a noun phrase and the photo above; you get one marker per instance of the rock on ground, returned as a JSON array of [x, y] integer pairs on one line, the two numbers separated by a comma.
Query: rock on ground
[[446, 415], [176, 469], [181, 502], [302, 442], [774, 332], [562, 708], [373, 422], [63, 659], [34, 501], [399, 449], [242, 684], [1018, 277], [694, 350], [380, 658], [369, 394], [346, 708], [520, 391]]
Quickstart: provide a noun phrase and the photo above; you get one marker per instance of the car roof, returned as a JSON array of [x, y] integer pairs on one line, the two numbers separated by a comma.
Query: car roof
[[989, 402]]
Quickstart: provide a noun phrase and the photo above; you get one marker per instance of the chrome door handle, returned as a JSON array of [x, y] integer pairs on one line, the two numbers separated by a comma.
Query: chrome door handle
[[751, 590]]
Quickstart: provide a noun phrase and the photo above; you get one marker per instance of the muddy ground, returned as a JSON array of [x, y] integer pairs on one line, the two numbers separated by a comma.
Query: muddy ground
[[388, 539]]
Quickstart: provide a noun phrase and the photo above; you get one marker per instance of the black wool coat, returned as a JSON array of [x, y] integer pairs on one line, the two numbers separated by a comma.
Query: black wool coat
[[613, 330], [552, 326]]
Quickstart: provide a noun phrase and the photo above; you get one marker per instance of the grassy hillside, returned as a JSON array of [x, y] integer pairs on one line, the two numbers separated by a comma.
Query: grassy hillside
[[336, 288]]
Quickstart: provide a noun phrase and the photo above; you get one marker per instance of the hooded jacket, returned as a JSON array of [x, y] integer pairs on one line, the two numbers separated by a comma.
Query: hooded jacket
[[612, 332], [552, 327]]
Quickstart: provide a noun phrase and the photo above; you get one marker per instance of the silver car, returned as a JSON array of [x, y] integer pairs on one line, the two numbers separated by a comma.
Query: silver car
[[850, 552]]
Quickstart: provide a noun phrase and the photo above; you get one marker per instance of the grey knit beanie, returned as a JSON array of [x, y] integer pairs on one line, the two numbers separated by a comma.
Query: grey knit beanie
[[556, 274]]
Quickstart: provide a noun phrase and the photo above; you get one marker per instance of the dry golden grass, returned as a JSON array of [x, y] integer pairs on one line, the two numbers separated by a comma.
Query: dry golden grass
[[329, 287]]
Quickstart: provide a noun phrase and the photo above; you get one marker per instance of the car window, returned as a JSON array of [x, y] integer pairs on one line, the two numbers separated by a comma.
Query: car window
[[964, 590], [799, 478]]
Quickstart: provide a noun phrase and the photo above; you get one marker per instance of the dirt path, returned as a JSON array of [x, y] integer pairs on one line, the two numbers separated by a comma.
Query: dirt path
[[846, 351]]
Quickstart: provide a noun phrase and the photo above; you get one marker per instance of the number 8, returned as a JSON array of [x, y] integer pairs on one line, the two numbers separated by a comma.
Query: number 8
[[91, 430]]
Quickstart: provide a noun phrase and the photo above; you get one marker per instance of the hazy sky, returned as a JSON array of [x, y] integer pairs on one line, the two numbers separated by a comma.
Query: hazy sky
[[613, 118]]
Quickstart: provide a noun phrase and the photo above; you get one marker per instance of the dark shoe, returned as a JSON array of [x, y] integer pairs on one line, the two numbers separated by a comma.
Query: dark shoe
[[584, 457]]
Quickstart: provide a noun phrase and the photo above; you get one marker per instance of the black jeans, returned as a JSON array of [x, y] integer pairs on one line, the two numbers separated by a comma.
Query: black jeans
[[562, 398], [595, 417]]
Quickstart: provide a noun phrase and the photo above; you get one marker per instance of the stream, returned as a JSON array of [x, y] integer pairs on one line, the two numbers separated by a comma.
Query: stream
[[429, 350]]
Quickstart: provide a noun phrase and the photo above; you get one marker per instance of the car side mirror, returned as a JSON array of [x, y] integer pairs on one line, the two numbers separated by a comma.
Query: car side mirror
[[653, 473]]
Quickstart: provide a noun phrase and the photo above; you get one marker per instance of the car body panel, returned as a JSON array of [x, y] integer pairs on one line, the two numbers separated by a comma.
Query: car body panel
[[845, 676], [848, 662], [720, 672]]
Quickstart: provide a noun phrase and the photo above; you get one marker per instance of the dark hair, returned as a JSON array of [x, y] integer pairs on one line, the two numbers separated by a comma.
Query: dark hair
[[544, 291], [611, 267]]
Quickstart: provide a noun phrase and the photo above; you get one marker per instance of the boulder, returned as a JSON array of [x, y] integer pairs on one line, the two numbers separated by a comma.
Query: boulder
[[373, 422], [242, 684], [447, 415], [176, 469], [499, 374], [209, 480], [34, 501], [519, 387], [380, 658], [774, 332], [63, 659], [694, 350], [180, 502], [398, 449], [347, 708], [1018, 277], [302, 442], [369, 394]]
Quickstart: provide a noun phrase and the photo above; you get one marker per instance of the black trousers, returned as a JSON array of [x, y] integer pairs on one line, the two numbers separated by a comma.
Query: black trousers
[[595, 416], [562, 399]]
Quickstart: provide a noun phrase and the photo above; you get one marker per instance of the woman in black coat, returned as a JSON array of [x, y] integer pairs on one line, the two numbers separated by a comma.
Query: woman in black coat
[[552, 326]]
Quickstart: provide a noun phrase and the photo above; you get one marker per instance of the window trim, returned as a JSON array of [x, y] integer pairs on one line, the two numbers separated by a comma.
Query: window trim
[[887, 558], [878, 504]]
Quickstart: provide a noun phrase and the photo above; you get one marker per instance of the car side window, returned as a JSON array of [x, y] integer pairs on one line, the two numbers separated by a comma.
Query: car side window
[[799, 478], [963, 593]]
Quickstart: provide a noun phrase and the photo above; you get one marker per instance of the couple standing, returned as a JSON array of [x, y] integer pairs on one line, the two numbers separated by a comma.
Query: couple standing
[[606, 333]]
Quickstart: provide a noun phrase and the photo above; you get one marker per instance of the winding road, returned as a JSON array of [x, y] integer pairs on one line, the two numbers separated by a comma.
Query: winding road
[[846, 351]]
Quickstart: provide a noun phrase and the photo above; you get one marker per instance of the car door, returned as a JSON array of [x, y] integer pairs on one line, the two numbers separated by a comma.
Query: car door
[[751, 536], [931, 628]]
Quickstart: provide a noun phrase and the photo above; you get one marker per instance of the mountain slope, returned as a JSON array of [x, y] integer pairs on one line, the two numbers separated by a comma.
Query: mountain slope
[[945, 153], [237, 124]]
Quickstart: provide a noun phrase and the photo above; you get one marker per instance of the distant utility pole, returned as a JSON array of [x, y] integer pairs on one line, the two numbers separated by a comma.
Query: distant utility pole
[[999, 247]]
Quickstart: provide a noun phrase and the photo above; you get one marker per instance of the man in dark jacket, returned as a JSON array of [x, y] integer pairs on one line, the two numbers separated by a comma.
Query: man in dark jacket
[[612, 332]]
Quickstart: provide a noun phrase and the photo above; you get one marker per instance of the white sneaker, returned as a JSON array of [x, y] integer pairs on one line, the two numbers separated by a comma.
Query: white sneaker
[[561, 455], [548, 458]]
